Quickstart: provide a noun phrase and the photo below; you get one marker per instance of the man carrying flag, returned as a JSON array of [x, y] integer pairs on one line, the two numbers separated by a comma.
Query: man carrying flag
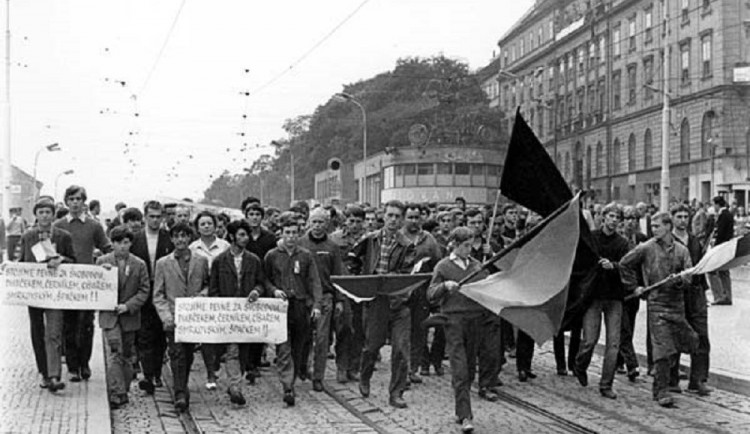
[[661, 259]]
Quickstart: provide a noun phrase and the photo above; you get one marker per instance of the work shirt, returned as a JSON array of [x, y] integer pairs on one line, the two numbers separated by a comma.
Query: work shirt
[[295, 273]]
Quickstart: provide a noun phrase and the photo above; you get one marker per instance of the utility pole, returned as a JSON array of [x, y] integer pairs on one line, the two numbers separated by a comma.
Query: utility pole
[[664, 203], [5, 140]]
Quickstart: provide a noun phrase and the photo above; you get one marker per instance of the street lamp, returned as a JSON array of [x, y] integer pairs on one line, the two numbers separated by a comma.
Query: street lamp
[[346, 97], [50, 148], [57, 178]]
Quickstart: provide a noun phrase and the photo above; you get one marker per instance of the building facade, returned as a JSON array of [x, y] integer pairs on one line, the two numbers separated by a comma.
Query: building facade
[[21, 190], [590, 78]]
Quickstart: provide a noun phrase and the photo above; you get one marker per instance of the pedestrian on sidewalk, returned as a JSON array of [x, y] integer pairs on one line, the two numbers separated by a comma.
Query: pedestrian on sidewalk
[[721, 281], [236, 273], [658, 259], [121, 326], [293, 276], [470, 328], [180, 274], [606, 301], [329, 263], [47, 324]]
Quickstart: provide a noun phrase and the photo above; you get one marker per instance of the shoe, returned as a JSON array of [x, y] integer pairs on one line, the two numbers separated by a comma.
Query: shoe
[[397, 402], [439, 371], [341, 376], [665, 401], [44, 383], [488, 394], [683, 376], [523, 376], [55, 384], [236, 397], [352, 375], [424, 371], [722, 303], [498, 382], [85, 373], [650, 371], [531, 374], [75, 377], [211, 385], [633, 374], [582, 377], [289, 398], [512, 353], [157, 382], [414, 378], [675, 389], [250, 377], [701, 389], [364, 389], [621, 370], [181, 405], [467, 426], [303, 375], [317, 385], [562, 372], [608, 393], [147, 386]]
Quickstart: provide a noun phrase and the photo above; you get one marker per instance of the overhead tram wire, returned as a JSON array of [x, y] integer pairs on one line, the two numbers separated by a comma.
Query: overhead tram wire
[[308, 52], [163, 47]]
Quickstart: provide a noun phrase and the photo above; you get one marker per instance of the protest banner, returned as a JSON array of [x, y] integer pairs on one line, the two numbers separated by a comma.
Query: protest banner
[[71, 286], [218, 320]]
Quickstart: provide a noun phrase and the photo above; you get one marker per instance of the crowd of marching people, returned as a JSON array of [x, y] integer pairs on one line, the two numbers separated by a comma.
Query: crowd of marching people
[[162, 252]]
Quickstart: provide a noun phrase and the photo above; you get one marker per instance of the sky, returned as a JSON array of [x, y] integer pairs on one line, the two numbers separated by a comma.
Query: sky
[[148, 98]]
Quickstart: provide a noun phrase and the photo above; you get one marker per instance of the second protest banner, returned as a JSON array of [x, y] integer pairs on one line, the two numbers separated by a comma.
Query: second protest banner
[[219, 320]]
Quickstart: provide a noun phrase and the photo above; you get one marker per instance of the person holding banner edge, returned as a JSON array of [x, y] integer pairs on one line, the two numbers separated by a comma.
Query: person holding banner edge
[[47, 324]]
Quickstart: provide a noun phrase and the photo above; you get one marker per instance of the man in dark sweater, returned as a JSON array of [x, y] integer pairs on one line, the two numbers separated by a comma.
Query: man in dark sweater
[[721, 281], [87, 235], [607, 300]]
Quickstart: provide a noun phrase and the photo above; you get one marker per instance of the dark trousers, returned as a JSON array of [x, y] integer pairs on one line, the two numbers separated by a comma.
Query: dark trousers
[[436, 352], [662, 370], [250, 356], [152, 342], [509, 341], [592, 321], [79, 337], [46, 339], [419, 310], [524, 351], [292, 355], [721, 286], [627, 355], [380, 320], [12, 242], [573, 346], [696, 313], [466, 337], [180, 360], [350, 337]]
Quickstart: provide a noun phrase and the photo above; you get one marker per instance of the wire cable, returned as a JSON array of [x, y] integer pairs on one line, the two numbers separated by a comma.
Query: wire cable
[[163, 47]]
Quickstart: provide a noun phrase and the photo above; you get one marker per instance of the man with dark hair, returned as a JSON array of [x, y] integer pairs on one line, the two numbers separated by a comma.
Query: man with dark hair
[[250, 200], [371, 219], [133, 219], [293, 275], [121, 326], [661, 258], [170, 209], [329, 263], [387, 251], [47, 324], [222, 220], [607, 301], [180, 274], [236, 273], [721, 281], [95, 209], [461, 203], [150, 245], [79, 324]]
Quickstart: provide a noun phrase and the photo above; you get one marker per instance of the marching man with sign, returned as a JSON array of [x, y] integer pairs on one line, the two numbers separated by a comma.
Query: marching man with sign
[[180, 274]]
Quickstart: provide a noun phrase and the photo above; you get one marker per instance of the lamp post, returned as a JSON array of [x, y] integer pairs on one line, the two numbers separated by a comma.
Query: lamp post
[[57, 178], [347, 97], [50, 148]]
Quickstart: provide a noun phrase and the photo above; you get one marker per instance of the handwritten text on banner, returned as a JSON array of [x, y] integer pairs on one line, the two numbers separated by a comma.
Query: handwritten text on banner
[[71, 286], [226, 320]]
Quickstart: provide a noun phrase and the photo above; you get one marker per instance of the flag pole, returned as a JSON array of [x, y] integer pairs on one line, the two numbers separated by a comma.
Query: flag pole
[[492, 222], [657, 285]]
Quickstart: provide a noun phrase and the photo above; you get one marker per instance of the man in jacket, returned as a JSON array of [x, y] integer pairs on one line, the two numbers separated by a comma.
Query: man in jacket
[[150, 245], [236, 273], [47, 324], [180, 274], [721, 281], [121, 325]]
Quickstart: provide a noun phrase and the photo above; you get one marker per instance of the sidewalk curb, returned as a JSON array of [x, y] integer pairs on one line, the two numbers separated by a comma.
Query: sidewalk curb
[[715, 379], [98, 419]]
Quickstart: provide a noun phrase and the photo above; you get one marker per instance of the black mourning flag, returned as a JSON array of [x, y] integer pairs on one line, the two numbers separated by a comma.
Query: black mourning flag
[[531, 179]]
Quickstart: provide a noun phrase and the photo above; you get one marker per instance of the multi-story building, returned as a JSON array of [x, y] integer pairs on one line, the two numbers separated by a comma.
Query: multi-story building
[[590, 78]]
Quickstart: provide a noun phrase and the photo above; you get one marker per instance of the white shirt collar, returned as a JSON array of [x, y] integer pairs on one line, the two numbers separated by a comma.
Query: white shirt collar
[[464, 264], [69, 217]]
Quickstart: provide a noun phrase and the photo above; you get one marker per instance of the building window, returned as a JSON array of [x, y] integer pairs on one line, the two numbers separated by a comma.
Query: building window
[[685, 141], [631, 153], [706, 6], [706, 54], [581, 57], [685, 62], [410, 175], [631, 83], [631, 33], [616, 89], [520, 54], [601, 91], [648, 20], [540, 36], [592, 55], [616, 157], [685, 12], [599, 158], [648, 78], [602, 49], [551, 29], [551, 78], [567, 165], [581, 102], [648, 158], [616, 41], [540, 122], [707, 141]]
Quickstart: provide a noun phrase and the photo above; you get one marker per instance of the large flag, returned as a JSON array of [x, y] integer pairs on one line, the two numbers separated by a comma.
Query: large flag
[[532, 291], [365, 288], [531, 178], [725, 256]]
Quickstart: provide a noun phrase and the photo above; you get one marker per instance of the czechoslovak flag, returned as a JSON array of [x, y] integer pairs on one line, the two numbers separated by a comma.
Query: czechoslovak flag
[[730, 254]]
